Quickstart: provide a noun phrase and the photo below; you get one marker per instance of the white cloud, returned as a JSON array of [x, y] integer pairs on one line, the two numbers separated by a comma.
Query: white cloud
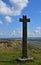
[[8, 19], [4, 9], [1, 22], [37, 30], [18, 33], [35, 33], [15, 33], [17, 7]]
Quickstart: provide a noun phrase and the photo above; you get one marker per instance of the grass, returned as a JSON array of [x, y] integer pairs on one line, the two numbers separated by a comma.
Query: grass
[[9, 55]]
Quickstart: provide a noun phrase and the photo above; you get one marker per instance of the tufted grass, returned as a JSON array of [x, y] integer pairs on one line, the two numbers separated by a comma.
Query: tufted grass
[[9, 55]]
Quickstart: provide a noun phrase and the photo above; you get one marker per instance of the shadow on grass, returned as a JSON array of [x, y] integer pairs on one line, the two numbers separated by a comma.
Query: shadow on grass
[[8, 61], [11, 61]]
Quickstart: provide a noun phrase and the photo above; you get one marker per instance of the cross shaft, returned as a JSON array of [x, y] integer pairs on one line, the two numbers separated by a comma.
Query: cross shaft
[[24, 39]]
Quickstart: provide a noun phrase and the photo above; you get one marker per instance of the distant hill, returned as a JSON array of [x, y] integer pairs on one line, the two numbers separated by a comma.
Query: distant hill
[[34, 38], [19, 38]]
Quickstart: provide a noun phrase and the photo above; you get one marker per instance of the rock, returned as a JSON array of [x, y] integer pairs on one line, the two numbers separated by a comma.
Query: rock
[[24, 59]]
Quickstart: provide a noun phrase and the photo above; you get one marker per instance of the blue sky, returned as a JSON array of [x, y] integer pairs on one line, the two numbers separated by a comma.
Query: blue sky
[[12, 10]]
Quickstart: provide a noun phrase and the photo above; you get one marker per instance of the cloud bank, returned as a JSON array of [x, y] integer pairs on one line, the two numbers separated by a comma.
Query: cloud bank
[[35, 33], [18, 33], [14, 33], [8, 19], [15, 9]]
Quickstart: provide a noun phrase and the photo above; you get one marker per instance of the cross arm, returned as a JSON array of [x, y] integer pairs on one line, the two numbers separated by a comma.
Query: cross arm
[[21, 20], [28, 20], [24, 19]]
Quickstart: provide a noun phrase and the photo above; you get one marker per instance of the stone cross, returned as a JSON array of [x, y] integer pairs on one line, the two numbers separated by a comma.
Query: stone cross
[[24, 40]]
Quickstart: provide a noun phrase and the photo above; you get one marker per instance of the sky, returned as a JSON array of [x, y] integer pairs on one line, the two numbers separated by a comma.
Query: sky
[[12, 10]]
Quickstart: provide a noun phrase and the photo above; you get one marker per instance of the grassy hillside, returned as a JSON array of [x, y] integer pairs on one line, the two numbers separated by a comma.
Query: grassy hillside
[[9, 55]]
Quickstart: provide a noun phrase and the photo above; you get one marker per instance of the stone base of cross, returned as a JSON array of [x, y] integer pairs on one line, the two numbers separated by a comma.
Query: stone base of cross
[[24, 40], [25, 59]]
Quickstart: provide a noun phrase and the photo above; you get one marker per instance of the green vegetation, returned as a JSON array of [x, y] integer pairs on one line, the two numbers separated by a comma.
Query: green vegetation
[[9, 55]]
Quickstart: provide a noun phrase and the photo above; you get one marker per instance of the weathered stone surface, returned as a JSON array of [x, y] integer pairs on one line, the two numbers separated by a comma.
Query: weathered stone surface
[[24, 39], [24, 59]]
